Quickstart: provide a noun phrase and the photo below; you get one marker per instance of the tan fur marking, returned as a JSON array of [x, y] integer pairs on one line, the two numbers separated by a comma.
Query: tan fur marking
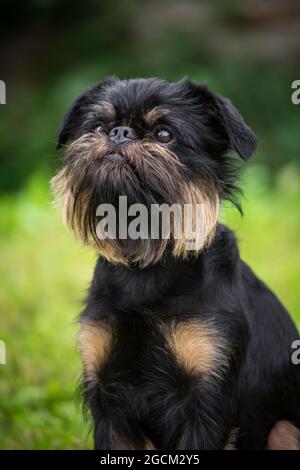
[[109, 111], [194, 346], [120, 445], [284, 436], [203, 198], [94, 344], [62, 194], [155, 114], [231, 441], [149, 445], [105, 109]]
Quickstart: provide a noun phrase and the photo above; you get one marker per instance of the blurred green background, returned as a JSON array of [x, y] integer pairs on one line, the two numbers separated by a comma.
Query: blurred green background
[[50, 51]]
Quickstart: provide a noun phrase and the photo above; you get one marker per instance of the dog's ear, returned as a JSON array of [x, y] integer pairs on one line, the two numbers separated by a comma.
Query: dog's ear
[[239, 136], [75, 115]]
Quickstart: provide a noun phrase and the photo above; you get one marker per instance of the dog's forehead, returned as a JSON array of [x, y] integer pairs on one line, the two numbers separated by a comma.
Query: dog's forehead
[[149, 98]]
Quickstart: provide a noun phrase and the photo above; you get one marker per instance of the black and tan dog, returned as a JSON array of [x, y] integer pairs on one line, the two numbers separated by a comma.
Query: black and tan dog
[[179, 348]]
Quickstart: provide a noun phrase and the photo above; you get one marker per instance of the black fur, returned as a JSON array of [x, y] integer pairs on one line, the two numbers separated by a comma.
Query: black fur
[[141, 392]]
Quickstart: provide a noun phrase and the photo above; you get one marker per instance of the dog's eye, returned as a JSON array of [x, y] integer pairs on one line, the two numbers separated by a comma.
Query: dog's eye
[[99, 129], [163, 135]]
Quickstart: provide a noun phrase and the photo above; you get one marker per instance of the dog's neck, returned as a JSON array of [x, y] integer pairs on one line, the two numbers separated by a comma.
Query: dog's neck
[[133, 287]]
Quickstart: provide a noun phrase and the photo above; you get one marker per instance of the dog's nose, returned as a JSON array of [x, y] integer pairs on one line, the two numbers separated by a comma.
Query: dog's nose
[[122, 134]]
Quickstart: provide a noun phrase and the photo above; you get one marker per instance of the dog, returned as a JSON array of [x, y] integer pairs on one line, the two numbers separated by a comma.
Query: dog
[[181, 348]]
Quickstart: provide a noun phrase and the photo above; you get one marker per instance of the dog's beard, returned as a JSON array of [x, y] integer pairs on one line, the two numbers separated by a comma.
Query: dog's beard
[[97, 172]]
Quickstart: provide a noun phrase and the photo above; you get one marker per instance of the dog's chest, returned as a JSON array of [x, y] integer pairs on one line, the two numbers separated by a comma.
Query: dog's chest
[[141, 351], [147, 366]]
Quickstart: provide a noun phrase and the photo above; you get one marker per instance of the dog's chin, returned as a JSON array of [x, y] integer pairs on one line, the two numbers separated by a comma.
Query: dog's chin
[[116, 158]]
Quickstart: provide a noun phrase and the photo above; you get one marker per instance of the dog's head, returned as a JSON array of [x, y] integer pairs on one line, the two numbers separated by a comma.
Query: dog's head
[[156, 142]]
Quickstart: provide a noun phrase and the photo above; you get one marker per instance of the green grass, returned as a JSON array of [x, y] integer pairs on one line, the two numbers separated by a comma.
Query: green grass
[[44, 274]]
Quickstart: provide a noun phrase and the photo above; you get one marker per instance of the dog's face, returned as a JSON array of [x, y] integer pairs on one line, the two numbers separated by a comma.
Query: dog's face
[[155, 142]]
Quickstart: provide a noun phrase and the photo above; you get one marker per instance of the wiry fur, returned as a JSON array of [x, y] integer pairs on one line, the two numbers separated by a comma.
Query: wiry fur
[[149, 174]]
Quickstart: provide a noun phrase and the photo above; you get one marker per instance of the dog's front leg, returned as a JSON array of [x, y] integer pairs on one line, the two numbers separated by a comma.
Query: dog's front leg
[[191, 414], [191, 392], [115, 422], [108, 396]]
